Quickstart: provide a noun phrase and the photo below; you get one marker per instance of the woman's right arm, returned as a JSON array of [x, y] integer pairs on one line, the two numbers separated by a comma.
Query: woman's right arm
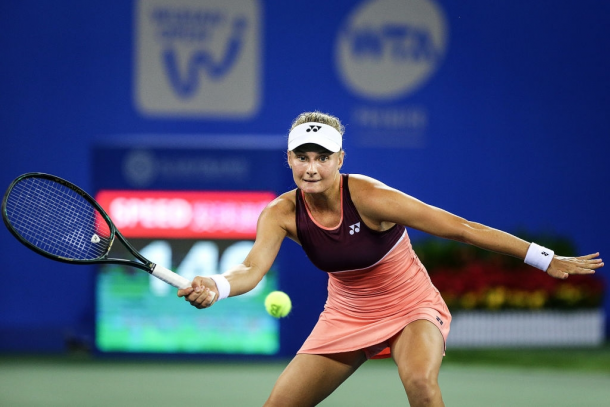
[[270, 232]]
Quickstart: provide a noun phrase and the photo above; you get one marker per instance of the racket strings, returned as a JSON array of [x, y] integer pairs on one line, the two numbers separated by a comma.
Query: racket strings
[[57, 220]]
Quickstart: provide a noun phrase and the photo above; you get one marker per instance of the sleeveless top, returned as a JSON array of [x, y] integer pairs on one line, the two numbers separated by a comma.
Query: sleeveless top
[[349, 246], [376, 283]]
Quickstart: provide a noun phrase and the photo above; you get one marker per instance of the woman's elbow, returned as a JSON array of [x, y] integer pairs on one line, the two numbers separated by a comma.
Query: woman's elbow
[[461, 231], [468, 232]]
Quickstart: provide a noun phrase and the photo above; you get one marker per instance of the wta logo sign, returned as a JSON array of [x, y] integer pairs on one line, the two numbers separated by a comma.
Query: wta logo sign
[[387, 49], [197, 58]]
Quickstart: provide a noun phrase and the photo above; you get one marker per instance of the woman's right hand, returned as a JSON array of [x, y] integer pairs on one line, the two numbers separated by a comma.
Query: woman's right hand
[[202, 293]]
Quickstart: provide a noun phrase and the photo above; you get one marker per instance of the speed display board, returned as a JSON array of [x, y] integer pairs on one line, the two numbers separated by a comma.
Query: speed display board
[[193, 233]]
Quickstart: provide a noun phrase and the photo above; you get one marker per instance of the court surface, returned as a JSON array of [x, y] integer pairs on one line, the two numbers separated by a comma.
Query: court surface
[[49, 382]]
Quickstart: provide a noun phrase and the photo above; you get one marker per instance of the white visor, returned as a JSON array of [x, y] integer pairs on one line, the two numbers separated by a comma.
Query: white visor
[[316, 133]]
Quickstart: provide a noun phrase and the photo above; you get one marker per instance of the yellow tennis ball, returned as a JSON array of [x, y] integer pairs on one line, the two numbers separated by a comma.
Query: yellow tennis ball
[[278, 304]]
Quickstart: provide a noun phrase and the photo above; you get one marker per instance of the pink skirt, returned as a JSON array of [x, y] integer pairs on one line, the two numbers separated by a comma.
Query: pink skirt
[[367, 308]]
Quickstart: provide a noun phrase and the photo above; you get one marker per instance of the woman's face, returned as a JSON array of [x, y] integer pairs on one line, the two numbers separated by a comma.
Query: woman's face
[[314, 168]]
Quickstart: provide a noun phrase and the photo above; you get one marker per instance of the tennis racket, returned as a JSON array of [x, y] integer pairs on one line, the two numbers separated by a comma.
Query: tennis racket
[[58, 220]]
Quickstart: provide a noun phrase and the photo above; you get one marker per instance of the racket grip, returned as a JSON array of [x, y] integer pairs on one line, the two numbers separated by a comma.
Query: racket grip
[[170, 277]]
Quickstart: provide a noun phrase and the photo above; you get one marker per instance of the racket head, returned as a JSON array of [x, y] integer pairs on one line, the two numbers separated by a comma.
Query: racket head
[[57, 219]]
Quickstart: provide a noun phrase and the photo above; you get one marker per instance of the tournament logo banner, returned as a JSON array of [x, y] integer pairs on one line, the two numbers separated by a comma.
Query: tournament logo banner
[[197, 58], [385, 51]]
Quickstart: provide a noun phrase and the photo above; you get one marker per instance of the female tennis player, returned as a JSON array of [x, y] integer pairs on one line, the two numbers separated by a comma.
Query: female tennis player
[[381, 302]]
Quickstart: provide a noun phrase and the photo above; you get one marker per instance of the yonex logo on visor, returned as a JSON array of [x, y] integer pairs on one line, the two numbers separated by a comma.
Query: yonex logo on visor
[[315, 133]]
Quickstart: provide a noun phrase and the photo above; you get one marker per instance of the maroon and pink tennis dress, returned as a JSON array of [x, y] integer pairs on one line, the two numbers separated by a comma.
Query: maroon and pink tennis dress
[[376, 285]]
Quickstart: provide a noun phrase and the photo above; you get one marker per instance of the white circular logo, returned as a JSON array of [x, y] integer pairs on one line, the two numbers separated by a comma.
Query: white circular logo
[[388, 48], [139, 168]]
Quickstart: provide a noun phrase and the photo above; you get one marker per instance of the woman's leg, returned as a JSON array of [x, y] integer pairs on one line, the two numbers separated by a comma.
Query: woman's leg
[[418, 353], [309, 379]]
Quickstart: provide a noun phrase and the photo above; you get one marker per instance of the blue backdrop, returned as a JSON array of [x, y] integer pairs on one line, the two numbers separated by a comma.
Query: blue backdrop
[[496, 111]]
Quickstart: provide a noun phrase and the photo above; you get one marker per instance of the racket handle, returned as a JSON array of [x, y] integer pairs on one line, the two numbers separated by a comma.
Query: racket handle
[[172, 278]]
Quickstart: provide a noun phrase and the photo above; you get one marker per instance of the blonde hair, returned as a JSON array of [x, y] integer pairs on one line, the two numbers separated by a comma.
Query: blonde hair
[[318, 117]]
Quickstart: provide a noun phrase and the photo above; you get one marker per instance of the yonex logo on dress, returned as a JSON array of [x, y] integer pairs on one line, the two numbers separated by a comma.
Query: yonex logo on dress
[[544, 253], [355, 228], [314, 128]]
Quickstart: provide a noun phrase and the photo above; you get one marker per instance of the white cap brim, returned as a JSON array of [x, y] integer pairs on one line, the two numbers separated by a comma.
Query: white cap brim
[[315, 133]]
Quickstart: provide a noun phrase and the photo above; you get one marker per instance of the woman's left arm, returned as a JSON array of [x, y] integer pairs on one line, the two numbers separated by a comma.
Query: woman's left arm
[[378, 201]]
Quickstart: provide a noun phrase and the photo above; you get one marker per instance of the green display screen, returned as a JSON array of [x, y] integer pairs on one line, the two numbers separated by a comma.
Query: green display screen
[[136, 312]]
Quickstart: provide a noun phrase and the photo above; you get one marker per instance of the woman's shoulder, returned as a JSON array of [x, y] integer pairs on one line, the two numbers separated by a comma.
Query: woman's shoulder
[[367, 191], [359, 183], [285, 204]]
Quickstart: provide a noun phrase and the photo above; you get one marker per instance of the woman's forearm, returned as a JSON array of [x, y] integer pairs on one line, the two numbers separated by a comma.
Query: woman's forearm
[[494, 240], [243, 278]]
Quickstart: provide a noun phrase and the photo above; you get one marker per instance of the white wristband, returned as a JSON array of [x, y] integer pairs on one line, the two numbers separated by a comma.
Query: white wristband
[[539, 257], [224, 287]]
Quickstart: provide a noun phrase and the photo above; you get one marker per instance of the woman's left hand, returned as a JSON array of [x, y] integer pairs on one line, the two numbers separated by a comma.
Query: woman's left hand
[[562, 267]]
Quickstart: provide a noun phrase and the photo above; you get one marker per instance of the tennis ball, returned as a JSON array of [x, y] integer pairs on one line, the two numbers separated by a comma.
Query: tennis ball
[[278, 304]]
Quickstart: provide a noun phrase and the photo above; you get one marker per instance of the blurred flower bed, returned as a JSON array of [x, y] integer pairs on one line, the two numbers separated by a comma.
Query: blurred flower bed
[[470, 278]]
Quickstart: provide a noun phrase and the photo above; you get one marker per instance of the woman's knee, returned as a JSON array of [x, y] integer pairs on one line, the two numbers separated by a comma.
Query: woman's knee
[[422, 385]]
